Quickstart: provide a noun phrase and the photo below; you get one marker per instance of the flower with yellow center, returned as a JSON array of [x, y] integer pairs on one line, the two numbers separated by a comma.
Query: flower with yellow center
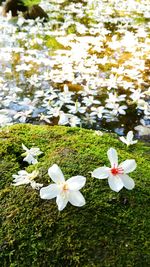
[[64, 191]]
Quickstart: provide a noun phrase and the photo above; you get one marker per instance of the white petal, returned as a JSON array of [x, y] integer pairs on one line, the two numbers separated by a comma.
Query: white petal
[[30, 159], [76, 182], [23, 173], [134, 142], [113, 157], [35, 185], [122, 111], [63, 119], [127, 181], [34, 161], [115, 183], [35, 151], [56, 174], [50, 191], [61, 201], [15, 176], [76, 199], [21, 181], [122, 138], [130, 136], [100, 173], [24, 147], [128, 165]]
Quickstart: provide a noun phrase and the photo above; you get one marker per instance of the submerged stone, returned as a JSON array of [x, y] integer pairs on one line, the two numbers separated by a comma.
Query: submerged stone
[[29, 12], [112, 229], [34, 12]]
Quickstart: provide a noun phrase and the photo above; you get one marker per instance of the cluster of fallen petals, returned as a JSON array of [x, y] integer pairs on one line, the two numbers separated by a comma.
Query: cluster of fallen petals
[[95, 76], [69, 190]]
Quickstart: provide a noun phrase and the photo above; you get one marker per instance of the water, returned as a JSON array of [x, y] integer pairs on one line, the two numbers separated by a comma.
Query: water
[[88, 66]]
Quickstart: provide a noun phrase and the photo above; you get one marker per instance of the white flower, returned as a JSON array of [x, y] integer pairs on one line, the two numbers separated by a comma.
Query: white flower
[[45, 118], [65, 118], [117, 174], [89, 118], [129, 139], [116, 109], [24, 67], [113, 98], [24, 177], [64, 191], [98, 111], [99, 133], [23, 115], [89, 101], [65, 96], [136, 95], [30, 154], [76, 108], [54, 111], [74, 120]]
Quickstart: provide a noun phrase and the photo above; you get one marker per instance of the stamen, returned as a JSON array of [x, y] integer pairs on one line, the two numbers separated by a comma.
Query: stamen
[[116, 170], [65, 187], [65, 191]]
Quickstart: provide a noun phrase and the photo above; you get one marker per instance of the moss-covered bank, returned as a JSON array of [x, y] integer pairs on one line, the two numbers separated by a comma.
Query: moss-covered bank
[[111, 230]]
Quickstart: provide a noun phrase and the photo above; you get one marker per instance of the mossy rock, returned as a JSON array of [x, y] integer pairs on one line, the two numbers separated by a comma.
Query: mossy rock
[[111, 230]]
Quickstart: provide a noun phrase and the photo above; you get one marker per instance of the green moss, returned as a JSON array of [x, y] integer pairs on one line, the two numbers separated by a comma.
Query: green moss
[[52, 43], [31, 2], [111, 230]]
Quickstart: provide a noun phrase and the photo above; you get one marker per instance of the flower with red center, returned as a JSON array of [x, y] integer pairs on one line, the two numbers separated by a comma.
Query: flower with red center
[[116, 170], [64, 191], [118, 174]]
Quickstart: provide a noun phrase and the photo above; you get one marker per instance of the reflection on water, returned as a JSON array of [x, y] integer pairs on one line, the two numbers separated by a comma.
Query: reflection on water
[[88, 66]]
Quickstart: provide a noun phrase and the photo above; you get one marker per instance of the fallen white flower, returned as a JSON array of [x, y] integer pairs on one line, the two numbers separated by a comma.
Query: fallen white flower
[[97, 132], [64, 191], [117, 174], [24, 177], [30, 154], [129, 139]]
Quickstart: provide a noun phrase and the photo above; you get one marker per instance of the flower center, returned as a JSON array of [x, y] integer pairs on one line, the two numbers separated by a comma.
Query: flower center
[[65, 187], [116, 170]]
